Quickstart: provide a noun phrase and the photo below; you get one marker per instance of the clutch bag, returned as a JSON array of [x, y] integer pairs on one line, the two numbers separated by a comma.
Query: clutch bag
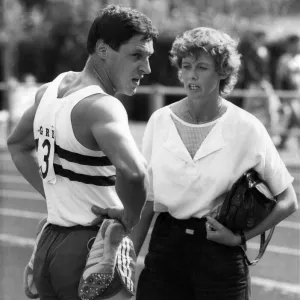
[[247, 203]]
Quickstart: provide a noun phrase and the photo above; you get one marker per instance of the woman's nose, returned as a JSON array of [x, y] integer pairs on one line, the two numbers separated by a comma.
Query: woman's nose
[[193, 74]]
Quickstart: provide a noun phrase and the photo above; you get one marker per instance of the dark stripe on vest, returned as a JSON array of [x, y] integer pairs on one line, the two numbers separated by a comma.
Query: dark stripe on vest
[[79, 158], [88, 179], [82, 159]]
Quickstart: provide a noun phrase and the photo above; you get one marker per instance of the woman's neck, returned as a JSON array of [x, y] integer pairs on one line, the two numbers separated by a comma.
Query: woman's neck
[[204, 111]]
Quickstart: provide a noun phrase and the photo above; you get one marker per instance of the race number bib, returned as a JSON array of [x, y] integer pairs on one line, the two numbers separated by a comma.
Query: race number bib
[[46, 147]]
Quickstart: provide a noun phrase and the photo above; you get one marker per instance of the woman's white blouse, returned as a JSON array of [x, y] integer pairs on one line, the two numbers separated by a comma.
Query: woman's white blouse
[[192, 187]]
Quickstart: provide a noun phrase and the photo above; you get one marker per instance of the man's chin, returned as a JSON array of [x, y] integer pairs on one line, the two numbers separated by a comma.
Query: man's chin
[[130, 92]]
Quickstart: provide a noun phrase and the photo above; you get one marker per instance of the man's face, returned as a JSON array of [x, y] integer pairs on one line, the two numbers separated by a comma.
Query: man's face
[[129, 65]]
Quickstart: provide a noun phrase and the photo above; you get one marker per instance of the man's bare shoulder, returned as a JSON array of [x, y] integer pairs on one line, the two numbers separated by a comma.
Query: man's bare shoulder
[[40, 92], [105, 108]]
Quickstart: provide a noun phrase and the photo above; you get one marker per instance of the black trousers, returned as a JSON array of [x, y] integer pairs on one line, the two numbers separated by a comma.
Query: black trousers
[[183, 264]]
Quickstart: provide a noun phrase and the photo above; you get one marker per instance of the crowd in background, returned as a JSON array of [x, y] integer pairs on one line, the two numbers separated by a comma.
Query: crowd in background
[[266, 67]]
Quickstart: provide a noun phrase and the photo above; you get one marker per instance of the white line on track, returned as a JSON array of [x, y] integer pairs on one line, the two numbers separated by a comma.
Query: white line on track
[[17, 241], [20, 195], [22, 213], [268, 284], [276, 249]]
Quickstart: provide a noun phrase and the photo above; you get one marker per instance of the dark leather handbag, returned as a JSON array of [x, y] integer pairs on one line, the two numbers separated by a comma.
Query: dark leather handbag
[[246, 205]]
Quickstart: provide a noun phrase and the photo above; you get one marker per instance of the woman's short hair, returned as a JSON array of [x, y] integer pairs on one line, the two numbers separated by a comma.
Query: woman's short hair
[[117, 24], [218, 44]]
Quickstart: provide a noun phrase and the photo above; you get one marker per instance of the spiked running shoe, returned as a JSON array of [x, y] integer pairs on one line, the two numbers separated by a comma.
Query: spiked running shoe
[[101, 262]]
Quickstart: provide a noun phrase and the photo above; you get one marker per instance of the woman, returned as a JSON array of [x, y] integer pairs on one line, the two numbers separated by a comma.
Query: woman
[[196, 149]]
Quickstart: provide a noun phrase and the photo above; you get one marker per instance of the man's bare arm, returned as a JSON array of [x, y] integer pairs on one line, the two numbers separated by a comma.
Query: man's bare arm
[[140, 231], [108, 122], [21, 146]]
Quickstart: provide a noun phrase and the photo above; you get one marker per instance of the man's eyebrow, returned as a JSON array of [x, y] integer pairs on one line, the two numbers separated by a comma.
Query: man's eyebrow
[[143, 51]]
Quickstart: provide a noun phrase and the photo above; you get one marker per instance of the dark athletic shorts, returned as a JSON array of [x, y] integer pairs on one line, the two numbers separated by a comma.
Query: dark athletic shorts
[[61, 257]]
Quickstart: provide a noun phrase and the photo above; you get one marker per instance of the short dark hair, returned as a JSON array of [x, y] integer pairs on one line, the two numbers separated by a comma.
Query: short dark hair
[[117, 24]]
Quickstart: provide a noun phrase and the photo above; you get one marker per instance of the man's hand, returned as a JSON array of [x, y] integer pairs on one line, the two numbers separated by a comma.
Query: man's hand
[[111, 213], [218, 233]]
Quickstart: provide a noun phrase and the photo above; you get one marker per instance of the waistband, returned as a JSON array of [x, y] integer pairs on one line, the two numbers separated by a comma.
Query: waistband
[[59, 228], [191, 223]]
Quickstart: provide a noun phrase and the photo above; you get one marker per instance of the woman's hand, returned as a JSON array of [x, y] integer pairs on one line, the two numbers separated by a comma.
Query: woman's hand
[[218, 233]]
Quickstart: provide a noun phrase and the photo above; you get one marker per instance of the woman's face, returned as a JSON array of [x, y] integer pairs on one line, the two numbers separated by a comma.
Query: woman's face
[[199, 77]]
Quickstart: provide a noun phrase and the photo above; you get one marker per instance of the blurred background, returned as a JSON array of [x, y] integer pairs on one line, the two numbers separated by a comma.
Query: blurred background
[[41, 38]]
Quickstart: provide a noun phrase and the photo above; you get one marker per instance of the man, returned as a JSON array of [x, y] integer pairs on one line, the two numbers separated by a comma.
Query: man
[[87, 155]]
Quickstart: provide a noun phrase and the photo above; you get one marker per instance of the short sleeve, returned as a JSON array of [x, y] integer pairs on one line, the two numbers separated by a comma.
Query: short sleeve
[[147, 153], [272, 168]]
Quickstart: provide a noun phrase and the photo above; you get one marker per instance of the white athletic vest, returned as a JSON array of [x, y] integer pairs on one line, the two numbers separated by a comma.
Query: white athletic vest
[[74, 177]]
